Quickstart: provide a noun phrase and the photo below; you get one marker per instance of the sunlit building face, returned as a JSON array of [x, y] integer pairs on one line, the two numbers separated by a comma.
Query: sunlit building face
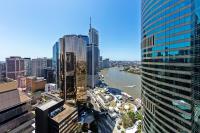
[[169, 79], [73, 67]]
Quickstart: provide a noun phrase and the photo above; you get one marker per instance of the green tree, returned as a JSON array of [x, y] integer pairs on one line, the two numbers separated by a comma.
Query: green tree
[[126, 120], [79, 128], [139, 128], [131, 115], [139, 116]]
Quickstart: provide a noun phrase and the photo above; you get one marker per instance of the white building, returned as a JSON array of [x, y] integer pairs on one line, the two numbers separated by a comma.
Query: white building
[[50, 87]]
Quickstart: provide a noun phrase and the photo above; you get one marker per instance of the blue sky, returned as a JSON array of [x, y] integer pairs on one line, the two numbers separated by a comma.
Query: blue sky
[[29, 28]]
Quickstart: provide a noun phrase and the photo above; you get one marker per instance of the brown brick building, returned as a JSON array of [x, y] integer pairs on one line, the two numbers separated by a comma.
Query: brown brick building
[[35, 84]]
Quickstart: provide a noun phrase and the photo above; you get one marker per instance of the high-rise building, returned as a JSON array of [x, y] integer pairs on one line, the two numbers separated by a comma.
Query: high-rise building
[[38, 66], [56, 62], [14, 67], [169, 34], [49, 63], [2, 70], [15, 109], [100, 62], [93, 57], [27, 66], [73, 71], [49, 75], [106, 63], [196, 69]]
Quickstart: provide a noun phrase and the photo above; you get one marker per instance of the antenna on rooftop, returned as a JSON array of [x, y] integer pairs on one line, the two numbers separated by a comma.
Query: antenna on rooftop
[[90, 22]]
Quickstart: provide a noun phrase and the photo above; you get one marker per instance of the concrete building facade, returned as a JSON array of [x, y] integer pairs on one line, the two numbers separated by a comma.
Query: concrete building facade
[[14, 67], [15, 109]]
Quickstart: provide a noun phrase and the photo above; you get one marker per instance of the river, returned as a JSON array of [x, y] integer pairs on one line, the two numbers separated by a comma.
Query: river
[[127, 82]]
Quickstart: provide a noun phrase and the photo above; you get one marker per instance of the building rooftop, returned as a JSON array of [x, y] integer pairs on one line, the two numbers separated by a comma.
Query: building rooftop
[[12, 98], [51, 100], [68, 110], [36, 79], [47, 104], [7, 85]]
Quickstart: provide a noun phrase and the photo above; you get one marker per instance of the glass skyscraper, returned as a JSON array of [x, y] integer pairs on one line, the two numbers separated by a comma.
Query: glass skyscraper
[[73, 68], [56, 62], [93, 57], [170, 66], [196, 64]]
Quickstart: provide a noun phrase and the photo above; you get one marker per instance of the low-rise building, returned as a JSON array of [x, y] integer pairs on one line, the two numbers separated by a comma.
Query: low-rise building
[[15, 109], [21, 82], [35, 83], [51, 87], [2, 70]]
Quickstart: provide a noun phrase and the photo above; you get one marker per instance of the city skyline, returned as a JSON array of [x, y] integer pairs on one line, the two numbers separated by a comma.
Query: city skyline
[[30, 28]]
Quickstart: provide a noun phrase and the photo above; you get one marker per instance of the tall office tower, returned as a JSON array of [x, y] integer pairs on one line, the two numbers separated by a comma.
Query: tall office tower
[[196, 69], [169, 34], [49, 75], [56, 62], [14, 67], [85, 38], [93, 57], [100, 62], [106, 63], [49, 63], [73, 71], [38, 66], [2, 70], [15, 109], [27, 66]]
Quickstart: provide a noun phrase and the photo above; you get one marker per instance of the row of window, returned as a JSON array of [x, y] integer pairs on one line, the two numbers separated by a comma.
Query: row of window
[[157, 8], [167, 54], [174, 19], [163, 73], [169, 60], [174, 31], [164, 94], [168, 81], [173, 39], [165, 107], [168, 88], [167, 67], [172, 5], [167, 47]]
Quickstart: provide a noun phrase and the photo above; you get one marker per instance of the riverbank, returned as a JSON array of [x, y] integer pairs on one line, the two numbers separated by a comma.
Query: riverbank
[[134, 70], [127, 82]]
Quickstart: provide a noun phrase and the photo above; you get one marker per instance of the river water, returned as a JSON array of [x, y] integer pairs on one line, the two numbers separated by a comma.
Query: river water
[[127, 82]]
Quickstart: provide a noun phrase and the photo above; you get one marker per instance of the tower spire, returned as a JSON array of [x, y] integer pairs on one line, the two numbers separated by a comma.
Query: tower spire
[[90, 22]]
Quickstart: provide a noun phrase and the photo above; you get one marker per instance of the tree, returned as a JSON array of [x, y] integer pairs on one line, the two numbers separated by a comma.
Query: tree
[[126, 120], [79, 128], [139, 116], [139, 128], [131, 115]]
